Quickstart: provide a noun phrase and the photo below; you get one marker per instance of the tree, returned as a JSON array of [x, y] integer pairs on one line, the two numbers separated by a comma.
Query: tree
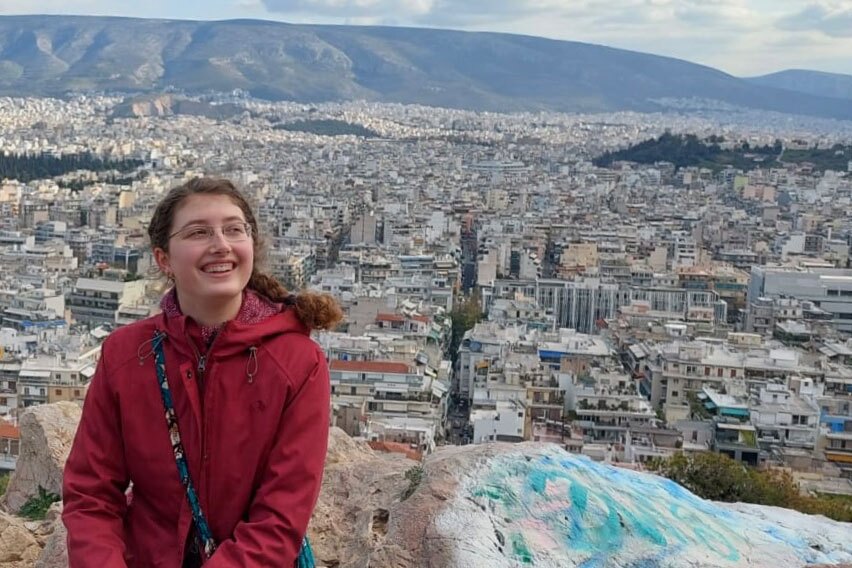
[[719, 478], [465, 315], [708, 475]]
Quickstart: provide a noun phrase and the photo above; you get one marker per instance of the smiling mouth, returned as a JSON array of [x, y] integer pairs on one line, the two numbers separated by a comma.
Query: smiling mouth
[[218, 268]]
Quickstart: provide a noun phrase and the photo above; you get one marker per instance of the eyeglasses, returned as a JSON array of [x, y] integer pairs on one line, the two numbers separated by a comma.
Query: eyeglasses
[[233, 233]]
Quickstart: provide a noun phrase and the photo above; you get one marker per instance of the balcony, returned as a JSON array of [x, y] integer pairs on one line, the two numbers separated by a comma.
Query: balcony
[[8, 462]]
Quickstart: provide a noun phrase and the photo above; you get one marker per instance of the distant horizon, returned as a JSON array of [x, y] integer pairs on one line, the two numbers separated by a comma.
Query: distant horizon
[[744, 38]]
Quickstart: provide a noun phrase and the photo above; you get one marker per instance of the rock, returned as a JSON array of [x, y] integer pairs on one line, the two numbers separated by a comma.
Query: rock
[[18, 548], [486, 506], [360, 488], [55, 553], [46, 435], [504, 505]]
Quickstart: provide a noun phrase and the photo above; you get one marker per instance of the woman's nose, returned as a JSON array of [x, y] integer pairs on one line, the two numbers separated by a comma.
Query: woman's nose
[[218, 240]]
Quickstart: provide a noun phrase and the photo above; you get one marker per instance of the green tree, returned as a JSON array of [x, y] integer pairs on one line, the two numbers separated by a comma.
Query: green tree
[[465, 315], [708, 475], [719, 478]]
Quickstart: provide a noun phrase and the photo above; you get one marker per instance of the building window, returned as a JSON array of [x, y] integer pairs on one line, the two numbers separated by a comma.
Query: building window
[[76, 392], [674, 394], [57, 392], [733, 373], [719, 372]]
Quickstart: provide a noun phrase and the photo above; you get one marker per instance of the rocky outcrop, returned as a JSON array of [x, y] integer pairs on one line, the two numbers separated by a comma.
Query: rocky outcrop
[[19, 548], [507, 505], [55, 551], [360, 489], [46, 435], [488, 506]]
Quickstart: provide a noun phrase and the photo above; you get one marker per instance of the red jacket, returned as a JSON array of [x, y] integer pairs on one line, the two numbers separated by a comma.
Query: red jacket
[[255, 446]]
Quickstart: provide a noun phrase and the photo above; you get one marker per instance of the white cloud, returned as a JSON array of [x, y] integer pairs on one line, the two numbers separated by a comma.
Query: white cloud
[[10, 7], [830, 18]]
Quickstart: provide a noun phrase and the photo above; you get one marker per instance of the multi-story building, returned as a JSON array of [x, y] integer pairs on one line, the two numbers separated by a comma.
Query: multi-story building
[[392, 393], [100, 301], [584, 304], [830, 289], [680, 370], [784, 418]]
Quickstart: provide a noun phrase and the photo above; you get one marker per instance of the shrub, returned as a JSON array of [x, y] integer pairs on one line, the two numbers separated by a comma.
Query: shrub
[[36, 507], [719, 478], [414, 476]]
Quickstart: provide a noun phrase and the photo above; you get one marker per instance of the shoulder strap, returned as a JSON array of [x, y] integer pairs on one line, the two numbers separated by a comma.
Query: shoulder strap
[[198, 517]]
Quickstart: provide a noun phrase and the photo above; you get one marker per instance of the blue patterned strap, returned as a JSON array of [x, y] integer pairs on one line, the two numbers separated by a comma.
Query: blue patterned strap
[[306, 554], [201, 526]]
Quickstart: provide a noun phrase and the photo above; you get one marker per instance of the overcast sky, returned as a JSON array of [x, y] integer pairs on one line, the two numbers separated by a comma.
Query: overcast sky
[[742, 37]]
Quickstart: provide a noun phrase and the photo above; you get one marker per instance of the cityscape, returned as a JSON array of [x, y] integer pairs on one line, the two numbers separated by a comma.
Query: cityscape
[[527, 276]]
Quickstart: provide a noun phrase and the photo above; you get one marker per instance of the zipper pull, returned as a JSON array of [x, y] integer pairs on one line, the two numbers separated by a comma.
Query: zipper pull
[[202, 364]]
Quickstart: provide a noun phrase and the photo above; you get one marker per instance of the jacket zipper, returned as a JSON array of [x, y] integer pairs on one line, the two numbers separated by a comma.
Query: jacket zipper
[[201, 367], [201, 364]]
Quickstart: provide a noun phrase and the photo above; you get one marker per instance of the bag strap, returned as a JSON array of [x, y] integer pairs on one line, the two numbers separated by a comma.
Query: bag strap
[[206, 537], [306, 554]]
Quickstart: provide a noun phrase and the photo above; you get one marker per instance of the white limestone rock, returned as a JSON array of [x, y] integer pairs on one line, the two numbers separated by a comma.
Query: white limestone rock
[[47, 433]]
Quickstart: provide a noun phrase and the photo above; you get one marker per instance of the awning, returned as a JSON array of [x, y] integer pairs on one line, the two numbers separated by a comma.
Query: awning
[[34, 374]]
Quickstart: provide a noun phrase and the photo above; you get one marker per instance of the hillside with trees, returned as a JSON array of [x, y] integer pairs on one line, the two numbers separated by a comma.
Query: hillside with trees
[[29, 167]]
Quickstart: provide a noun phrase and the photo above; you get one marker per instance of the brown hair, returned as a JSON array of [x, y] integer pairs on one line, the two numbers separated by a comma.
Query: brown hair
[[316, 311]]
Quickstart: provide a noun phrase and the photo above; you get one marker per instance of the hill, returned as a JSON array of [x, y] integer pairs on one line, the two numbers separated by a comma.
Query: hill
[[56, 55], [810, 82], [689, 150]]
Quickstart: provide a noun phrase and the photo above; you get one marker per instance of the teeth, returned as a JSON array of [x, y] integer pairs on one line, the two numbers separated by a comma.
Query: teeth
[[218, 268]]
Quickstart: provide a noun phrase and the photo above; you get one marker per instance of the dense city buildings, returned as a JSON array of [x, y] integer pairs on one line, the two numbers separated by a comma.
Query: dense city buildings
[[498, 284]]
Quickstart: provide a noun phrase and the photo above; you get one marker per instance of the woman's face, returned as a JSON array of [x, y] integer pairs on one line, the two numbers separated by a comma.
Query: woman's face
[[208, 266]]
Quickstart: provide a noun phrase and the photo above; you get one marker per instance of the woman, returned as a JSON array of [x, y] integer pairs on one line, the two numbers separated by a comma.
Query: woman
[[249, 390]]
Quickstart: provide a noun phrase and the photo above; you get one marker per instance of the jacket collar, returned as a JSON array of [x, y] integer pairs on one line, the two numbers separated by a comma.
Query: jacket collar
[[258, 320]]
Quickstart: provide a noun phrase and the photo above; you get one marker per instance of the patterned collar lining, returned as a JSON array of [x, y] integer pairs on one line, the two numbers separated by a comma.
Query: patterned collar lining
[[254, 309]]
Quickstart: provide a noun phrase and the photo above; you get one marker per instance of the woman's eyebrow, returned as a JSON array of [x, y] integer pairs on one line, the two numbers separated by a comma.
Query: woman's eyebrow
[[205, 222]]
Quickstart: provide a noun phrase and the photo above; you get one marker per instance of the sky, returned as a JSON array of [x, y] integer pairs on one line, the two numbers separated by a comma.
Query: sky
[[741, 37]]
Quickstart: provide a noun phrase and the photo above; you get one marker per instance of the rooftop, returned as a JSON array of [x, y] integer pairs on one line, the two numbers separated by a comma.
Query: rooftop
[[370, 366]]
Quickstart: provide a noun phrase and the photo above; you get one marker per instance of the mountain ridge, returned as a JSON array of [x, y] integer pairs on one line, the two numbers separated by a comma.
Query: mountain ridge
[[57, 55], [821, 83]]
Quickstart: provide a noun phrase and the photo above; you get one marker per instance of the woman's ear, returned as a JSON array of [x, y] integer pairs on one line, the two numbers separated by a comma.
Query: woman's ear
[[163, 261]]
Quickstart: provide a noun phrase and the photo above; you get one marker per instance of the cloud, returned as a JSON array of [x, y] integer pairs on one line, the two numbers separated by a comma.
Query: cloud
[[53, 7], [449, 13], [831, 18], [646, 16]]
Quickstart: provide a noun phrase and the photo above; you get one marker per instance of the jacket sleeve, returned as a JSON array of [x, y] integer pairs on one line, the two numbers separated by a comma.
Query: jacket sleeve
[[95, 480], [279, 514]]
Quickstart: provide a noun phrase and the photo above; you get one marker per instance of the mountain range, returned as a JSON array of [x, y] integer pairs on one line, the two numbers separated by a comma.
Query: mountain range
[[58, 55], [811, 82]]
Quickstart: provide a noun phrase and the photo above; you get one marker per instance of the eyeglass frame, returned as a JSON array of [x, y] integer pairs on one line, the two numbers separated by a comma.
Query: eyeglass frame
[[211, 232]]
